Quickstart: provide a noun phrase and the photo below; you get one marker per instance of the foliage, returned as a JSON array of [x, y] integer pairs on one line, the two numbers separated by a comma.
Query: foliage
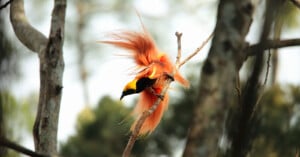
[[289, 15], [100, 131], [278, 133], [14, 115]]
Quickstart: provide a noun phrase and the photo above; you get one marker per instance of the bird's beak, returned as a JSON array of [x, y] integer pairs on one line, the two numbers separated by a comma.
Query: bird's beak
[[127, 92], [122, 96]]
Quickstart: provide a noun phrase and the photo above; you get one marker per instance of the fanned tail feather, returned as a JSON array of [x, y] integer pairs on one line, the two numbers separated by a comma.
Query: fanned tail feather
[[143, 48]]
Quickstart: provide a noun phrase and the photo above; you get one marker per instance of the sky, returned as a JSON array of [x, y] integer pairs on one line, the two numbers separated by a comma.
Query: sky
[[109, 72]]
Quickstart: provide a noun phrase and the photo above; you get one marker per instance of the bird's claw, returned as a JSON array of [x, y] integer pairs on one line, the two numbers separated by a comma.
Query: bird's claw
[[169, 76]]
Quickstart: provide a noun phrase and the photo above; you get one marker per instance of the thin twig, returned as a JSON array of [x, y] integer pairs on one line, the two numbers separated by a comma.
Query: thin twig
[[265, 82], [178, 35], [268, 68], [145, 114], [197, 50], [238, 87], [11, 145]]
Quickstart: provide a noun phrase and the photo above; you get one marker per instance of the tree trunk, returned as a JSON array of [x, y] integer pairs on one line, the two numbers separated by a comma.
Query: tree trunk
[[217, 89], [51, 70]]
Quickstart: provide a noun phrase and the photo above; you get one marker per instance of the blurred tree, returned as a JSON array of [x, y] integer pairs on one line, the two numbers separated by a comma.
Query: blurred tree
[[8, 57], [8, 111], [277, 136], [15, 114], [8, 71], [220, 95], [100, 131]]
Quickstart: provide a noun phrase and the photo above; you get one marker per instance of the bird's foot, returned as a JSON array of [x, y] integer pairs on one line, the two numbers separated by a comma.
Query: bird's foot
[[169, 76]]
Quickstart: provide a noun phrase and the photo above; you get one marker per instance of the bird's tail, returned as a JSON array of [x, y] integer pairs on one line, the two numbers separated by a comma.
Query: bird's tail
[[147, 99]]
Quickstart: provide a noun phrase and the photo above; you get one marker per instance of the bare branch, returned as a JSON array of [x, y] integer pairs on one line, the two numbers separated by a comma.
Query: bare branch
[[178, 35], [11, 145], [272, 44], [28, 35], [5, 4], [197, 50]]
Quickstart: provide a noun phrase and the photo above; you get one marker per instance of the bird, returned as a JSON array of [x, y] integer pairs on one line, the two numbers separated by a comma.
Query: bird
[[153, 68]]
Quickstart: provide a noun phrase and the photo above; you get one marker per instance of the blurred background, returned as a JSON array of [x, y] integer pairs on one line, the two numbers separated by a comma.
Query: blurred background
[[93, 122]]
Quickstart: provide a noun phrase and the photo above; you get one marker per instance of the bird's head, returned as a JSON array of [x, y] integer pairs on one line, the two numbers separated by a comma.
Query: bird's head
[[130, 88], [137, 85]]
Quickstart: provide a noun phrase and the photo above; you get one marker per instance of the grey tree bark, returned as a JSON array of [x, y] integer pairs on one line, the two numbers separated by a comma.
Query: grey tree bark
[[218, 77], [50, 53]]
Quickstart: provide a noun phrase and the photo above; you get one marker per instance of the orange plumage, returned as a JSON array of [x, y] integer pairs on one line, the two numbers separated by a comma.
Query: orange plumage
[[154, 65]]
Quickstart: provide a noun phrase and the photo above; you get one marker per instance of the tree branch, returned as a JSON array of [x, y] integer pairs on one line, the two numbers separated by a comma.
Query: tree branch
[[11, 145], [5, 4], [28, 35], [296, 3], [178, 35], [271, 44], [145, 114]]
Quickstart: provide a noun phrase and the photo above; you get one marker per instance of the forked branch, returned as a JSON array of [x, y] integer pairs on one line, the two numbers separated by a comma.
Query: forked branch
[[28, 35], [145, 114]]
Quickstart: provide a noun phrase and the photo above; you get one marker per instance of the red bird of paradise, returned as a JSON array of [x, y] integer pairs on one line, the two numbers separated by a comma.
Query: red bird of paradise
[[154, 68]]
